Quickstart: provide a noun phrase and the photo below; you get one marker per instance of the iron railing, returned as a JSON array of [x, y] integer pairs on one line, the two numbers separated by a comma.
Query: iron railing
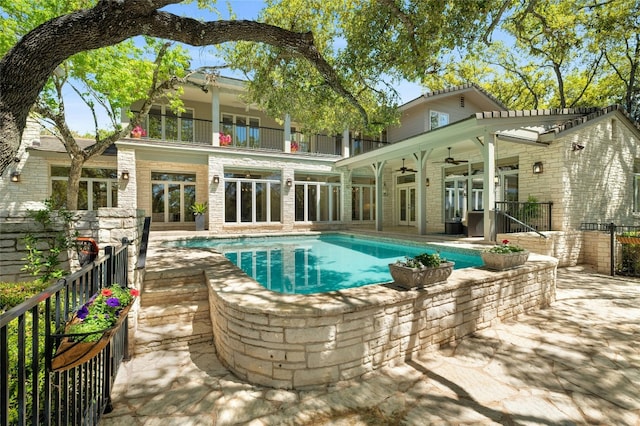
[[513, 216], [30, 393], [624, 243], [196, 131]]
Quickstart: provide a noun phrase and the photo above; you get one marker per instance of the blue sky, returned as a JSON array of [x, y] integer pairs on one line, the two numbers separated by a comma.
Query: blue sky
[[78, 115]]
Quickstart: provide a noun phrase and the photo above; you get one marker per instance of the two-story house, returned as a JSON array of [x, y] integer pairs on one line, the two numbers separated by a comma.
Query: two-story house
[[455, 157]]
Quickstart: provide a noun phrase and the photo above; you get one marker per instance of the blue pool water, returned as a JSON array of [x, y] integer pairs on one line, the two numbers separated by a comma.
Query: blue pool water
[[319, 264]]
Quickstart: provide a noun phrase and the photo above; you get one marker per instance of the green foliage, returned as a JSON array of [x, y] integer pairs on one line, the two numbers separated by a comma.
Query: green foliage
[[12, 294], [505, 248], [44, 250], [424, 260], [198, 208], [100, 313]]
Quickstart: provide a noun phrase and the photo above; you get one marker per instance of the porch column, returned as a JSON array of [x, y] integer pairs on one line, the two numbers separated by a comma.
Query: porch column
[[347, 197], [127, 188], [287, 133], [422, 191], [345, 144], [215, 115], [378, 169], [489, 193]]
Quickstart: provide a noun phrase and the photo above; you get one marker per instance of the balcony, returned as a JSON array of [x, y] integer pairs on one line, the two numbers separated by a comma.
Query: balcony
[[181, 130]]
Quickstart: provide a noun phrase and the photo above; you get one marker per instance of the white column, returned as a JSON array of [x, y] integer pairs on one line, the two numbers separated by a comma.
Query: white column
[[345, 144], [378, 168], [215, 115], [347, 196], [489, 192], [287, 133], [422, 192]]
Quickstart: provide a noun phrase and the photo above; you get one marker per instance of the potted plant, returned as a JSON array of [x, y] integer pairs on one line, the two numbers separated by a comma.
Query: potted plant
[[198, 210], [504, 256], [225, 140], [138, 132], [421, 270], [92, 327]]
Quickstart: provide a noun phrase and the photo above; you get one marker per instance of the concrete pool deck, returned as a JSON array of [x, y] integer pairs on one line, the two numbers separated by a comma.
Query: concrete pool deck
[[573, 363]]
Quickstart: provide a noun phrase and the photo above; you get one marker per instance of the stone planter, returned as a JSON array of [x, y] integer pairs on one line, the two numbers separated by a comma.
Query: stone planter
[[413, 278], [502, 261]]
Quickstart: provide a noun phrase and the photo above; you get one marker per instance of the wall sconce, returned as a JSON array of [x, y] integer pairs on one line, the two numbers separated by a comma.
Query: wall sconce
[[216, 179], [289, 182], [125, 175], [427, 182], [577, 147], [537, 168], [15, 177]]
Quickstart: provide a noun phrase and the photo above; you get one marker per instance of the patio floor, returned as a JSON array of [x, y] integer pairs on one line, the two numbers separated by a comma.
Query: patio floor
[[576, 362]]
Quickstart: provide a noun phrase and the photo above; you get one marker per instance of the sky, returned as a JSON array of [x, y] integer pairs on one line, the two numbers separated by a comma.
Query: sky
[[80, 120]]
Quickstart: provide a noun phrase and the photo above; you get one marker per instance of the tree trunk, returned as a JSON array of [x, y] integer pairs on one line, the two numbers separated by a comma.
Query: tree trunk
[[73, 185]]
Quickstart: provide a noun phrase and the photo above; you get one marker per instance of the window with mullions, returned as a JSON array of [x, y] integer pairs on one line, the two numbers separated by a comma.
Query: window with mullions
[[172, 194], [363, 196], [164, 124], [98, 188], [254, 197], [245, 131], [438, 119], [318, 199]]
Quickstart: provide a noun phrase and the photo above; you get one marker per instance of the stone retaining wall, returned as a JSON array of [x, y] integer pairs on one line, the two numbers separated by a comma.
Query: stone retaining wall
[[305, 341]]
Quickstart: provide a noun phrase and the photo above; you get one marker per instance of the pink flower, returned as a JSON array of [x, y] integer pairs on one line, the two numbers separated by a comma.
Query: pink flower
[[134, 292], [505, 242], [106, 292], [138, 132], [225, 139]]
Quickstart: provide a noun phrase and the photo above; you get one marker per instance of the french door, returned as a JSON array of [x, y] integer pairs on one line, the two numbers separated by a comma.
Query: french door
[[406, 205]]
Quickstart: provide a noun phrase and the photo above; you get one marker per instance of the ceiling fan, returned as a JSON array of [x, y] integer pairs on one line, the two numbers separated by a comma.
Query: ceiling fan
[[451, 160], [404, 169]]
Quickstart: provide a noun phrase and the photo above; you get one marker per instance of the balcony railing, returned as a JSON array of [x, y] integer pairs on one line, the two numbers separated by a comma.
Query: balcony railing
[[181, 130]]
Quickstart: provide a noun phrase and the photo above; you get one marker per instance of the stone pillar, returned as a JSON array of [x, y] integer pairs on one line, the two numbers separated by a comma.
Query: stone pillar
[[127, 188], [345, 144], [215, 194]]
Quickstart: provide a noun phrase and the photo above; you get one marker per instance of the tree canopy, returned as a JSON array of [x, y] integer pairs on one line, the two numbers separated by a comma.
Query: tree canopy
[[93, 25]]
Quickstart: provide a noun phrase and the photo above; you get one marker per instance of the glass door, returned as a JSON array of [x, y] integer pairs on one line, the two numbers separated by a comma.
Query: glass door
[[407, 205]]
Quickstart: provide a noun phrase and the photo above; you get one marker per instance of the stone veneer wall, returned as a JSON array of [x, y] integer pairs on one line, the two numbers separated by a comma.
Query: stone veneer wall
[[296, 341], [568, 246]]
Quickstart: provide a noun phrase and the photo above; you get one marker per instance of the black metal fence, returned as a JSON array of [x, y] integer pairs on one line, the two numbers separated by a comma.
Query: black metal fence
[[624, 246], [513, 216], [30, 393]]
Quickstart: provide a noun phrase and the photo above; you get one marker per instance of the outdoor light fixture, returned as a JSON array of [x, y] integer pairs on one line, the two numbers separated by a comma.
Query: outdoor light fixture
[[577, 147], [427, 183], [289, 182], [537, 168], [216, 179], [15, 177], [125, 175]]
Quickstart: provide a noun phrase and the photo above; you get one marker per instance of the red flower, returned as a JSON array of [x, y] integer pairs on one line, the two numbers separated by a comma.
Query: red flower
[[106, 292], [505, 242], [134, 292]]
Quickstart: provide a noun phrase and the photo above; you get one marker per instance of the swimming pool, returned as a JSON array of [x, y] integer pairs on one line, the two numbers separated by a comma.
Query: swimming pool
[[323, 263]]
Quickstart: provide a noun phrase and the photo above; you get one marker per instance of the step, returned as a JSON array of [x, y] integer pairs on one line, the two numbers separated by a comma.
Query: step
[[172, 334], [173, 277], [178, 295], [160, 314], [174, 282]]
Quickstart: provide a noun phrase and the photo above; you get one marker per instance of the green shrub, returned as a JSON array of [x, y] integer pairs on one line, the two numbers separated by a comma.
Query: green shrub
[[12, 294]]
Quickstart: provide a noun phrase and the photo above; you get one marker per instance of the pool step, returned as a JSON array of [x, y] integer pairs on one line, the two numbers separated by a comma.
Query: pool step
[[174, 311]]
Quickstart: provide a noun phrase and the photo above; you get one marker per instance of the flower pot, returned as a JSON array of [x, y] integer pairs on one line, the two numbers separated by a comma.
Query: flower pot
[[628, 240], [502, 261], [199, 222], [71, 354], [413, 278]]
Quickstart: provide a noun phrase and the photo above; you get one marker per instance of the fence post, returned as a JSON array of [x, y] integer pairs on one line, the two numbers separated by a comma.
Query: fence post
[[108, 251], [612, 231], [549, 213]]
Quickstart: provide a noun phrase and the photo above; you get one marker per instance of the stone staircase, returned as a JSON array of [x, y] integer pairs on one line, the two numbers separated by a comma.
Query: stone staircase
[[174, 311]]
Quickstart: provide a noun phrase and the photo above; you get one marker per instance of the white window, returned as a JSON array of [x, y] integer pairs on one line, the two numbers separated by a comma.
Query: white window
[[438, 119], [244, 130], [164, 124], [172, 194], [318, 199], [636, 186], [252, 197], [98, 187]]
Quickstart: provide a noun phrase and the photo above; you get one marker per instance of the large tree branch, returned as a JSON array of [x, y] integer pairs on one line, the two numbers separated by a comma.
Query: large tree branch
[[109, 23]]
